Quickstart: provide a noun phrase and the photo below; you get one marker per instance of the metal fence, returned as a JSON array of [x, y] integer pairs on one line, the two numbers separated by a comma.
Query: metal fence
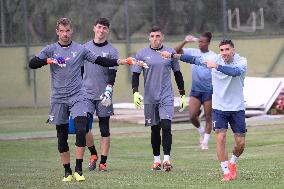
[[33, 21], [28, 24]]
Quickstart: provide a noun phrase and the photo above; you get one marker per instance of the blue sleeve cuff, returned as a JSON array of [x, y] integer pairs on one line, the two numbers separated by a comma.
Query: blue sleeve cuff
[[230, 71], [188, 59]]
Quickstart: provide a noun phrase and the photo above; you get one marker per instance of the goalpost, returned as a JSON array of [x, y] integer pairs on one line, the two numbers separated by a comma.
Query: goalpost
[[251, 24]]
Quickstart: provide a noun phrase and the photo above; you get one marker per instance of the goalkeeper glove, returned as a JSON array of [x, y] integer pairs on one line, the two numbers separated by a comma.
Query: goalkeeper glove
[[183, 103], [60, 61], [138, 100], [106, 96], [132, 61]]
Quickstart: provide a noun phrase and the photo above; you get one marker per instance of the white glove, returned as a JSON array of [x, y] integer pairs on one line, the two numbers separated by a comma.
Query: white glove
[[106, 96]]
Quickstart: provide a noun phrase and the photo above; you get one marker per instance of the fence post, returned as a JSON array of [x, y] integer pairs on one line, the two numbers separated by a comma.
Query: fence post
[[154, 13], [2, 22], [127, 30], [225, 21], [27, 51]]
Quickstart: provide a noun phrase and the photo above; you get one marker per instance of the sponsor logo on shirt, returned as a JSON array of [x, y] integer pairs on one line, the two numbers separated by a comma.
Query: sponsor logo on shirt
[[105, 54]]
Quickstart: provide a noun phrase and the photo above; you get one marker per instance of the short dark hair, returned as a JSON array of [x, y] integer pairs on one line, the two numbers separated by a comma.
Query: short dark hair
[[64, 22], [155, 29], [208, 35], [102, 21], [226, 42]]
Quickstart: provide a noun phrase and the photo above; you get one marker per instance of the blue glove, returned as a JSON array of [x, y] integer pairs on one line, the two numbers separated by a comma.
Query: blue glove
[[60, 61], [106, 96]]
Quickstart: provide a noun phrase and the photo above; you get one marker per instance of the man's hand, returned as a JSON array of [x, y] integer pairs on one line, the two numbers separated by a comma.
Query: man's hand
[[138, 100], [106, 96], [132, 61], [60, 61], [165, 54], [190, 38], [183, 103], [211, 64]]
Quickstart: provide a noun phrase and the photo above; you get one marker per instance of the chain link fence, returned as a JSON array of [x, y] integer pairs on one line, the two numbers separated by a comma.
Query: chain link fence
[[24, 21], [27, 25]]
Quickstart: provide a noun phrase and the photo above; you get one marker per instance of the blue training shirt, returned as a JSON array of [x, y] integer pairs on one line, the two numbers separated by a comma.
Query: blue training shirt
[[201, 76], [227, 81]]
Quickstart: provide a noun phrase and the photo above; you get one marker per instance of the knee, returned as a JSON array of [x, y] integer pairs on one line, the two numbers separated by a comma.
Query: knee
[[221, 137], [81, 124], [62, 135], [104, 126]]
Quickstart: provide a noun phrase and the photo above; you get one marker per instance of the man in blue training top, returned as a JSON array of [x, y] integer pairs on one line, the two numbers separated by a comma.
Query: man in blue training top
[[201, 88], [228, 73]]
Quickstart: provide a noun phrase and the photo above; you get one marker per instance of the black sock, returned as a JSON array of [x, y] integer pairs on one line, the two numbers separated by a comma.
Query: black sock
[[93, 150], [78, 167], [103, 159], [68, 170]]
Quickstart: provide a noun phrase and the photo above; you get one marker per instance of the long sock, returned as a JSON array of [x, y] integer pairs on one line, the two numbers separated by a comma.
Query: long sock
[[234, 159], [103, 159], [78, 167], [201, 130], [224, 166], [166, 158], [93, 150], [206, 138], [157, 159], [67, 169]]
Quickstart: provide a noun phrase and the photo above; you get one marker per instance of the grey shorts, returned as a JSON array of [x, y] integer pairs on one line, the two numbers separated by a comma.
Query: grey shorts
[[154, 113], [60, 109], [96, 106], [59, 112]]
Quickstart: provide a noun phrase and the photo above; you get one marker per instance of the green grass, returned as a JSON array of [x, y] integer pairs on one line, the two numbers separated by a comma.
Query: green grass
[[35, 163]]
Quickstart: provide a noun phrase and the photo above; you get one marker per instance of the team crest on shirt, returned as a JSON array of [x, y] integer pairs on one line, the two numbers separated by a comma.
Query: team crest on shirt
[[74, 53]]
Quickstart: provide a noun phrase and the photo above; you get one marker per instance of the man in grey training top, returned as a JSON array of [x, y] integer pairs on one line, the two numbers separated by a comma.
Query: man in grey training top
[[98, 82], [66, 58], [158, 95]]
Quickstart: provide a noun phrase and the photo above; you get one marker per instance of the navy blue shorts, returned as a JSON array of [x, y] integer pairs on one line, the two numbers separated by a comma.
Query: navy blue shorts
[[236, 119], [201, 96]]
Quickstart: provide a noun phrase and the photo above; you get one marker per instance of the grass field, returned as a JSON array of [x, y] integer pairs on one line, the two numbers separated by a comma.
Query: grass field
[[35, 163]]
